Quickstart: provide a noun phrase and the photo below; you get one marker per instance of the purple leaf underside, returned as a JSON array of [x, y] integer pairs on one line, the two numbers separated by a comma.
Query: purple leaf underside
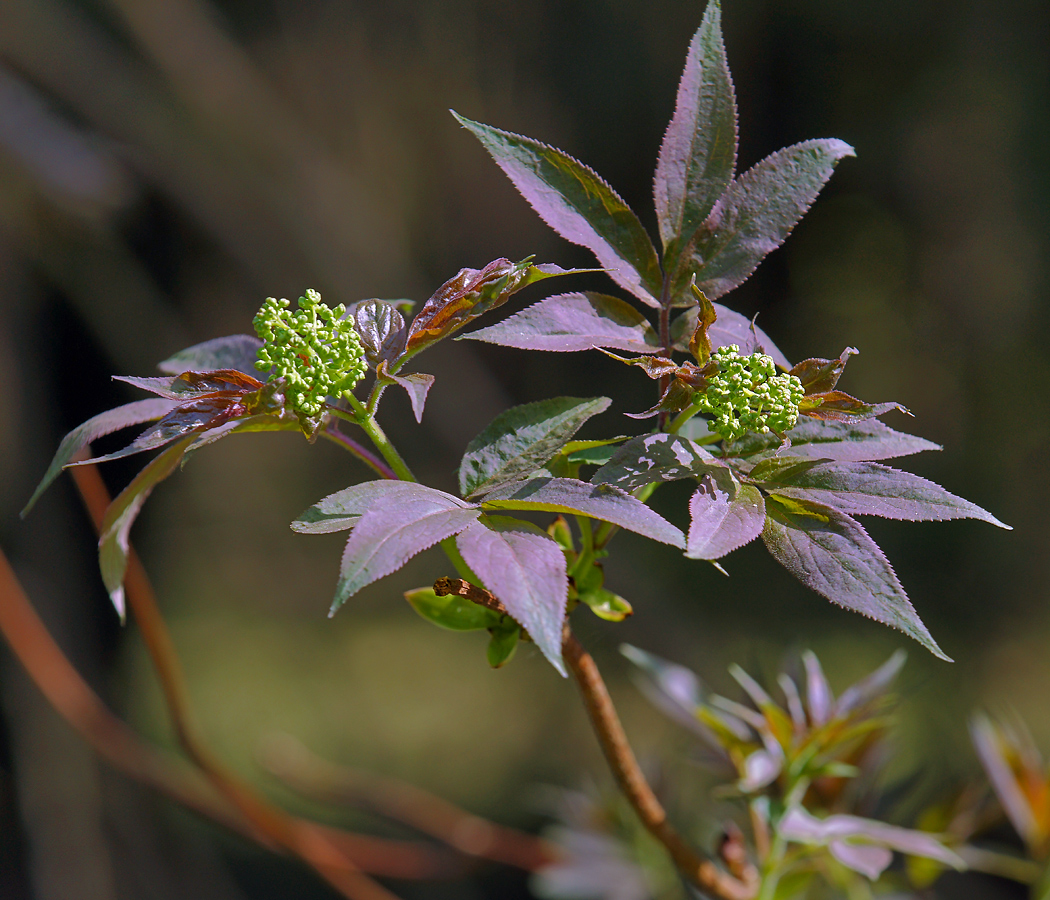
[[866, 488], [656, 457], [756, 214], [97, 426], [724, 515], [698, 154], [602, 501], [579, 205], [839, 441], [417, 385], [525, 568], [729, 328], [237, 351], [574, 321], [832, 554], [341, 510]]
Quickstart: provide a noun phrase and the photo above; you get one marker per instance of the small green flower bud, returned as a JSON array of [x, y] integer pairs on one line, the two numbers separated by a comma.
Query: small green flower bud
[[747, 395], [314, 349]]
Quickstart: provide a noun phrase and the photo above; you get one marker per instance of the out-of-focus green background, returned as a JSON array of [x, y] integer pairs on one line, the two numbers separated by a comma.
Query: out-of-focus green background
[[167, 164]]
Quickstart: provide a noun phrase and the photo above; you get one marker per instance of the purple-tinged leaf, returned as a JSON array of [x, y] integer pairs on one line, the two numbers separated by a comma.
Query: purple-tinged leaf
[[381, 329], [190, 417], [590, 864], [724, 515], [820, 375], [800, 826], [113, 543], [655, 367], [698, 154], [700, 342], [341, 510], [675, 398], [574, 321], [97, 426], [242, 426], [868, 859], [1001, 758], [469, 294], [238, 351], [818, 692], [840, 441], [832, 554], [729, 328], [867, 488], [794, 701], [599, 501], [525, 569], [189, 385], [521, 440], [671, 688], [836, 406], [871, 686], [656, 457], [755, 215], [761, 768], [416, 384], [575, 201], [396, 526]]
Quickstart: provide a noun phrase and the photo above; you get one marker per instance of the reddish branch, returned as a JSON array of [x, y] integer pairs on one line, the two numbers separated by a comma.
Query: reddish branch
[[741, 881]]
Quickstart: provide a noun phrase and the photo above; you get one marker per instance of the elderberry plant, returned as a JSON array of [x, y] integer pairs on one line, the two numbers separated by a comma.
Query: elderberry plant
[[775, 450]]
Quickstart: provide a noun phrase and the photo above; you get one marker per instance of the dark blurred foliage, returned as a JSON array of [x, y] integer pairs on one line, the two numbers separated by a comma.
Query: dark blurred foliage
[[167, 164]]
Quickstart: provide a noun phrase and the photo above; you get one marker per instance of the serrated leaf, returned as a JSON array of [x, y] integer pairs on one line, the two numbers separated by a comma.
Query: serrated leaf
[[832, 554], [191, 385], [341, 510], [840, 441], [698, 154], [729, 328], [522, 439], [755, 215], [867, 488], [451, 612], [397, 525], [580, 320], [724, 515], [525, 569], [819, 375], [97, 426], [575, 201], [601, 501], [381, 329], [654, 458], [836, 406], [416, 384], [113, 543], [237, 351], [469, 294]]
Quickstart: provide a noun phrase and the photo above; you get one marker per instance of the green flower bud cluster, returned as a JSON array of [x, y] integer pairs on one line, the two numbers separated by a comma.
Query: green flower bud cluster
[[747, 395], [314, 349]]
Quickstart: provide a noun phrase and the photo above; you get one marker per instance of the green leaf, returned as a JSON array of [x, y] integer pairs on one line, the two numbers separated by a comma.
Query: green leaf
[[104, 423], [606, 605], [832, 554], [654, 458], [502, 645], [238, 351], [521, 440], [451, 612], [866, 488], [755, 215], [577, 204], [599, 501], [698, 153], [113, 543]]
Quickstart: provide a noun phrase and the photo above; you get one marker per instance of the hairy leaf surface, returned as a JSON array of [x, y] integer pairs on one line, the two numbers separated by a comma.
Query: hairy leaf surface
[[866, 488], [97, 426], [521, 439], [832, 554], [601, 501], [724, 515], [525, 569], [756, 214], [574, 321], [575, 201], [698, 154]]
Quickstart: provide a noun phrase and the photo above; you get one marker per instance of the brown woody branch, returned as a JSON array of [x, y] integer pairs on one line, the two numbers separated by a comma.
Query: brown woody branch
[[741, 881]]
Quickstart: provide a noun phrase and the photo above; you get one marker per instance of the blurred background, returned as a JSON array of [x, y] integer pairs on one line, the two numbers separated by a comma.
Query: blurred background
[[165, 165]]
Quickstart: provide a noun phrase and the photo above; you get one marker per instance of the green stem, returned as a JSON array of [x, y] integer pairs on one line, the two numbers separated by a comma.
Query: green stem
[[773, 867], [378, 437], [684, 416]]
